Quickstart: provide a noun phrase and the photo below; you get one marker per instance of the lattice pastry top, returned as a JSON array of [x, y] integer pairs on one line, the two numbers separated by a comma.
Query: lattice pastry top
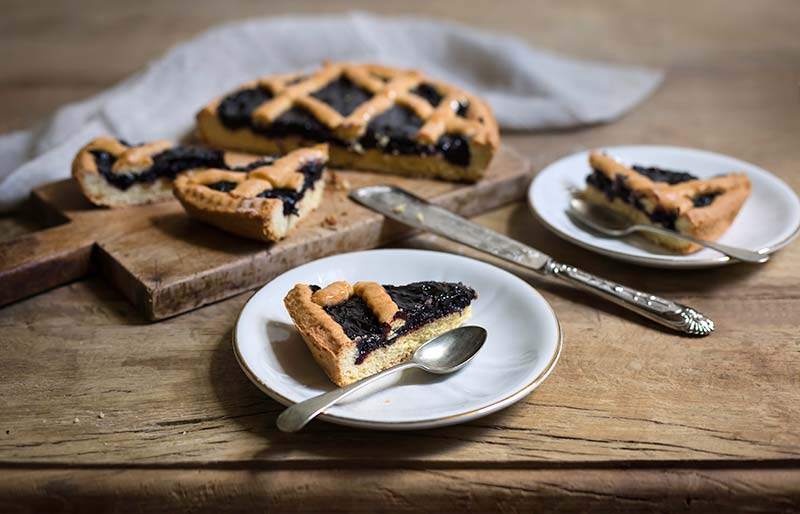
[[368, 91]]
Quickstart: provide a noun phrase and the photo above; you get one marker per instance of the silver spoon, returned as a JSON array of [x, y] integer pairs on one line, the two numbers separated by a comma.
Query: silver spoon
[[447, 353], [610, 223]]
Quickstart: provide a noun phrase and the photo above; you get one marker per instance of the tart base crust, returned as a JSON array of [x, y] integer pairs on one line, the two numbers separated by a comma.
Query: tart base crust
[[214, 134], [100, 192]]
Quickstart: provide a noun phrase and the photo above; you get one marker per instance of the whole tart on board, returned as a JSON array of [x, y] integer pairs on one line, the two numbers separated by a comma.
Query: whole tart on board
[[676, 200], [114, 173], [263, 202], [354, 331], [374, 117]]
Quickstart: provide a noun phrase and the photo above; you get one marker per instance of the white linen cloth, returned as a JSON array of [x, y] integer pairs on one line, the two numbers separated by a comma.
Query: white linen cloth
[[527, 88]]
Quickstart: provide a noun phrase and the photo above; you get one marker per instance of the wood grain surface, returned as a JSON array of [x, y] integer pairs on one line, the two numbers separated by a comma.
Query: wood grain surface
[[166, 263], [100, 410]]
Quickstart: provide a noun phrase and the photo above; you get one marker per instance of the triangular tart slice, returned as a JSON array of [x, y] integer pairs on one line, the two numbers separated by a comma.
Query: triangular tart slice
[[263, 202], [676, 200], [354, 331]]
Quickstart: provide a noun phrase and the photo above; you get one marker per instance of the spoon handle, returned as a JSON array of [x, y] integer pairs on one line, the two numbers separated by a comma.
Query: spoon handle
[[740, 254], [298, 415]]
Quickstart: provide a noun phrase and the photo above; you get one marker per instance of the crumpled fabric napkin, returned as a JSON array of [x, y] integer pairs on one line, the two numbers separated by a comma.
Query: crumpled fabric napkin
[[527, 88]]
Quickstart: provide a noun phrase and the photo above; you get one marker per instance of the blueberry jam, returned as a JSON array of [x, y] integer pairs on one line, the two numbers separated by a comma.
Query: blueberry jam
[[705, 199], [342, 95], [392, 131], [167, 164], [429, 93], [423, 302], [236, 109], [223, 186], [312, 173], [662, 175], [359, 324], [419, 303]]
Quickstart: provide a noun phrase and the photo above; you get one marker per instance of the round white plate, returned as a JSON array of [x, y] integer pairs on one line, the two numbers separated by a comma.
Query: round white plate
[[769, 219], [523, 344]]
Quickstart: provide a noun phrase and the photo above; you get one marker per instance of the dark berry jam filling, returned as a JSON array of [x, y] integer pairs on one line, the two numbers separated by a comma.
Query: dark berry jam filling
[[705, 199], [429, 93], [419, 303], [392, 131], [423, 302], [223, 186], [168, 164], [663, 175], [290, 197], [236, 109], [342, 95]]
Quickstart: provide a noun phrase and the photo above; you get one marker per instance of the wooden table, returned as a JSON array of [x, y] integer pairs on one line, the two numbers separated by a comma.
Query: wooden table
[[99, 409]]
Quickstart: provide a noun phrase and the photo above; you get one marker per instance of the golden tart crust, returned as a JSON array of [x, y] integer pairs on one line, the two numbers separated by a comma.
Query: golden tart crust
[[389, 87]]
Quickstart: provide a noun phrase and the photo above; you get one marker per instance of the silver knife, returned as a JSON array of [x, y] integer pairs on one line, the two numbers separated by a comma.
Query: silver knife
[[402, 206]]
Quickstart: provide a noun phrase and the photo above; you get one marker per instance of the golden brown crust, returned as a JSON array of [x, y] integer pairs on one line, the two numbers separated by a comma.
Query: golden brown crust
[[241, 211], [708, 222], [389, 86], [324, 337]]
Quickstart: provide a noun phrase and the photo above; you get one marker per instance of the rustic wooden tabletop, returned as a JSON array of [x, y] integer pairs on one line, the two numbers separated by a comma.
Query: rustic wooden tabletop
[[100, 409]]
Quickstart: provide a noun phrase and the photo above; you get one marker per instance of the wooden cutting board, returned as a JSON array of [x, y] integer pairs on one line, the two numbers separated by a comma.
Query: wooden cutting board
[[167, 263]]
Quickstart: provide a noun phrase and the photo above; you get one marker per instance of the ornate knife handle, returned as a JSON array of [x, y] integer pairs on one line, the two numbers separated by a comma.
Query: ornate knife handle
[[671, 314]]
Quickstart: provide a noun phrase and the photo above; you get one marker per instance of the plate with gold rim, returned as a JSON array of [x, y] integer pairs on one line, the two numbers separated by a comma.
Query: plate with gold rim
[[522, 348], [768, 221]]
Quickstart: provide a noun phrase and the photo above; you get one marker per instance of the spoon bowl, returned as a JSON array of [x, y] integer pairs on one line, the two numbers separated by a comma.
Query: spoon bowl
[[450, 351]]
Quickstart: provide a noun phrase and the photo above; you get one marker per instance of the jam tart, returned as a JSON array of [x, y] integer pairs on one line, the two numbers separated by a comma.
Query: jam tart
[[374, 118], [114, 173], [264, 202], [357, 330], [676, 200]]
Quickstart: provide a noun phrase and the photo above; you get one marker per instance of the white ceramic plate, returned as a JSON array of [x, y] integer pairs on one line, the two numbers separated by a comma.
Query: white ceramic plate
[[769, 219], [523, 344]]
